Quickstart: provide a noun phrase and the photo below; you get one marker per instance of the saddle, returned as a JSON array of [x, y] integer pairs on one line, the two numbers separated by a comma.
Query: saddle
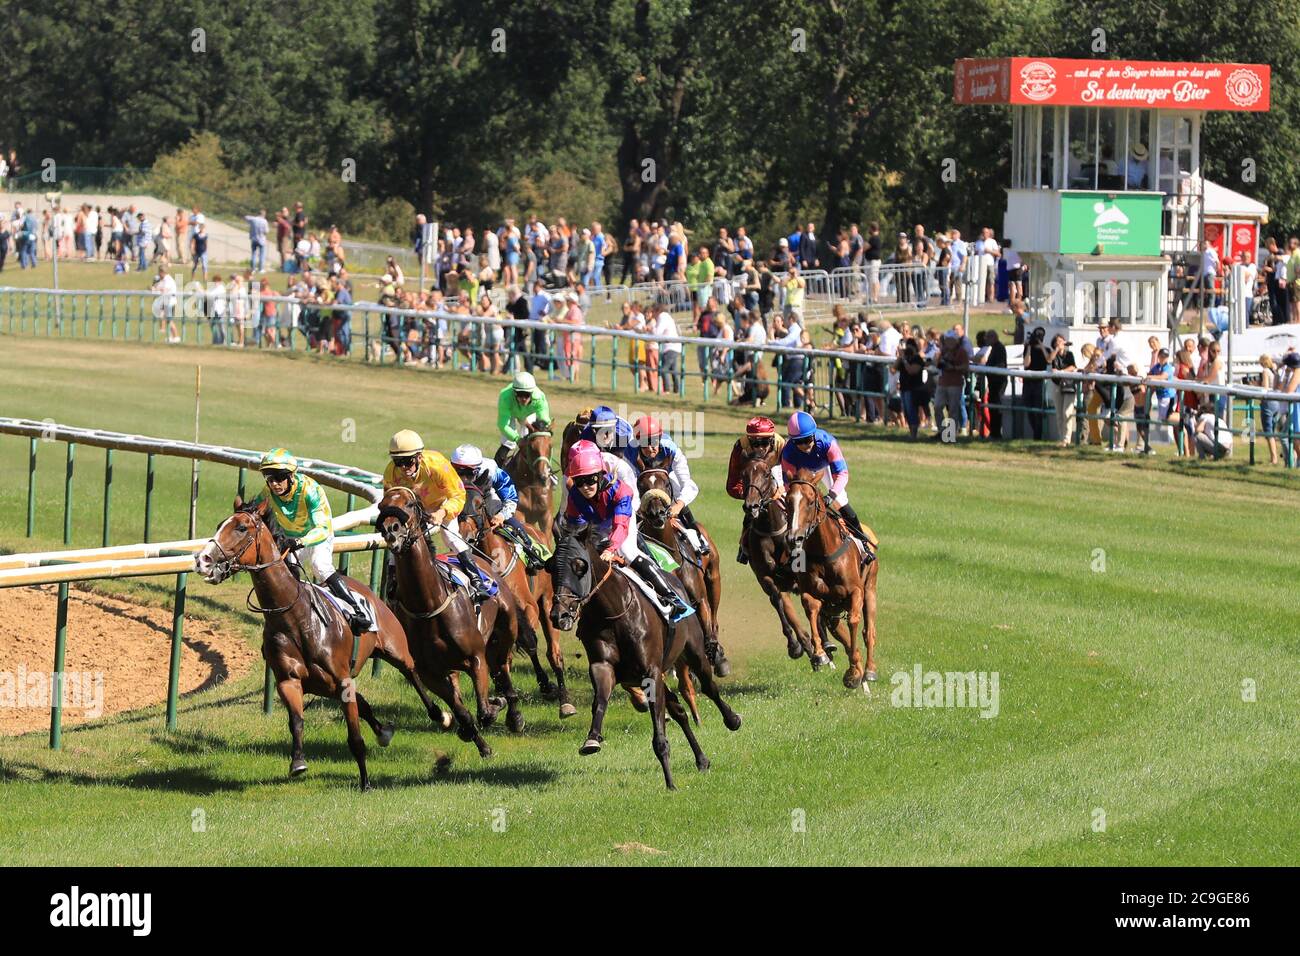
[[866, 542], [455, 577], [645, 588], [542, 550]]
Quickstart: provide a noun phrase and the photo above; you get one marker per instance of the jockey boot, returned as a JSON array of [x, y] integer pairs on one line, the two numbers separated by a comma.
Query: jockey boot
[[478, 587], [504, 454], [356, 619], [688, 520], [653, 575], [532, 557]]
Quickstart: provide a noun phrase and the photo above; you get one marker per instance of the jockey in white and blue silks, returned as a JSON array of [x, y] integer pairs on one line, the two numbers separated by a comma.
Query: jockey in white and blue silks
[[652, 449], [499, 493], [814, 449]]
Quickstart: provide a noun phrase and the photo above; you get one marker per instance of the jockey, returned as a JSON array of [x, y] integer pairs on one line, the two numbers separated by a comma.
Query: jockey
[[601, 499], [439, 489], [603, 426], [759, 441], [499, 493], [617, 466], [651, 448], [521, 406], [299, 509], [815, 450]]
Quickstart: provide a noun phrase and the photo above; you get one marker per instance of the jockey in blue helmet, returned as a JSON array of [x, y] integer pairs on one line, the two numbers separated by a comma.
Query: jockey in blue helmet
[[816, 450]]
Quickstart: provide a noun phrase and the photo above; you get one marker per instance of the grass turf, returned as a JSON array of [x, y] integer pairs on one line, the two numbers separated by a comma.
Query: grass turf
[[1121, 689]]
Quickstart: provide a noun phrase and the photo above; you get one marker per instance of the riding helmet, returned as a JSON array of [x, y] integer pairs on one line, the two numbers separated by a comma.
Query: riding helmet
[[801, 425], [404, 444], [467, 456], [278, 459]]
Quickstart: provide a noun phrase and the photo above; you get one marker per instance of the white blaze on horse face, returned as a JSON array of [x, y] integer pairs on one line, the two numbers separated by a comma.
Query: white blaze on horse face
[[205, 560], [796, 499]]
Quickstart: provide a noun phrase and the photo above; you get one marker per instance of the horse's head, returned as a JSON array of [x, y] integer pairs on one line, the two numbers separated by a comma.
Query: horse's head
[[655, 487], [572, 433], [400, 520], [242, 542], [571, 574], [759, 484], [536, 449], [473, 518], [804, 510]]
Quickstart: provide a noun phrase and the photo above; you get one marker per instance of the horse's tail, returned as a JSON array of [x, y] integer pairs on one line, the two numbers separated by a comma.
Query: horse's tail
[[687, 687], [527, 638]]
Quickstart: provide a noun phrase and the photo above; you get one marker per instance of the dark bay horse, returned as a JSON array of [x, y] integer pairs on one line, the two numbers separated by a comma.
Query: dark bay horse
[[305, 639], [769, 558], [837, 588], [445, 634], [701, 574], [628, 643], [532, 593], [530, 470]]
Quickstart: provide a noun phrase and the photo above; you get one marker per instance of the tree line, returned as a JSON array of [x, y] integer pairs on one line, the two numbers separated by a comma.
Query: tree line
[[707, 111]]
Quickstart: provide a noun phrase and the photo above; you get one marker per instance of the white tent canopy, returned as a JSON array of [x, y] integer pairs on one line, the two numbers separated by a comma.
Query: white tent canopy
[[1222, 203]]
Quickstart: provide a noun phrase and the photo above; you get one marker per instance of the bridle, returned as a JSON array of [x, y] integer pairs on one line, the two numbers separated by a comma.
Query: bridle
[[819, 512], [531, 463], [227, 564], [583, 601], [399, 545], [763, 506]]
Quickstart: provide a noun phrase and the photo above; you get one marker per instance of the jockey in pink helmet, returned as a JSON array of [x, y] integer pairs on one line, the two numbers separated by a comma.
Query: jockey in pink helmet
[[599, 498]]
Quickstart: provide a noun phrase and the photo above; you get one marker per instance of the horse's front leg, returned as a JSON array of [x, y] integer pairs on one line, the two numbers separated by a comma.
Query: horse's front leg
[[812, 610]]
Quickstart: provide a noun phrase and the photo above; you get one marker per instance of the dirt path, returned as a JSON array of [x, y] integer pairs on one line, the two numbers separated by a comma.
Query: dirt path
[[117, 657]]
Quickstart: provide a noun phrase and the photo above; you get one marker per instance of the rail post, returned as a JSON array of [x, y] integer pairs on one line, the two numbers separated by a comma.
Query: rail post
[[178, 634], [56, 685], [148, 495], [31, 486], [108, 494], [67, 494]]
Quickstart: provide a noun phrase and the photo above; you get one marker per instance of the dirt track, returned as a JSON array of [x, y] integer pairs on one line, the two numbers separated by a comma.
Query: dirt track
[[129, 645]]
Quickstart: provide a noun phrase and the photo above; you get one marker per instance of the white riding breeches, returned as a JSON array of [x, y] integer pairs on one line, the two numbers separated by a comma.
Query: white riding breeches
[[317, 559]]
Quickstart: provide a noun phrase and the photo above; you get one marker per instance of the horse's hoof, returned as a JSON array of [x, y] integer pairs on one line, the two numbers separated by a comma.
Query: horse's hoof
[[548, 691], [819, 661], [870, 675], [702, 764], [365, 786], [297, 767], [515, 723], [732, 722], [723, 668], [592, 746], [794, 651], [830, 647], [444, 720], [853, 679], [497, 702], [485, 751], [385, 735], [567, 710], [465, 732]]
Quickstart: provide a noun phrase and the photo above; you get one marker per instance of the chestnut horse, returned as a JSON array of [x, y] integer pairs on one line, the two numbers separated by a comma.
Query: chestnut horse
[[445, 634], [700, 574], [836, 584], [769, 558], [627, 642], [477, 530], [530, 469], [305, 640]]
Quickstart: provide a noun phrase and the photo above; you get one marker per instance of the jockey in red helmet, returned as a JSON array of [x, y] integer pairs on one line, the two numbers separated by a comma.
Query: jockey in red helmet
[[759, 441]]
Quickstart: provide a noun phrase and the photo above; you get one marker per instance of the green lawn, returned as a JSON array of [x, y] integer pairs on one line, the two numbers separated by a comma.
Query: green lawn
[[1121, 689]]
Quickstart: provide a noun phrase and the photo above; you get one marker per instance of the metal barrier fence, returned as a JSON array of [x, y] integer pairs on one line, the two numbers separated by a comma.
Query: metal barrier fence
[[148, 559], [836, 383]]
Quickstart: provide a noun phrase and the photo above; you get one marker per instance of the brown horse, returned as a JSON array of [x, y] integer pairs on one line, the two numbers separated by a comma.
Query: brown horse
[[769, 558], [305, 639], [445, 633], [701, 574], [628, 643], [834, 581], [532, 593], [530, 470]]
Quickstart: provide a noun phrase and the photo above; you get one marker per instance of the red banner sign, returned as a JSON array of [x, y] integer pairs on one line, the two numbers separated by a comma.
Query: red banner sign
[[1119, 84]]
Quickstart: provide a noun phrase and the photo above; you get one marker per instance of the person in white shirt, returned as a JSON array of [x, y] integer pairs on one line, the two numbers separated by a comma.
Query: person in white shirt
[[1213, 439], [989, 253], [670, 353], [165, 304]]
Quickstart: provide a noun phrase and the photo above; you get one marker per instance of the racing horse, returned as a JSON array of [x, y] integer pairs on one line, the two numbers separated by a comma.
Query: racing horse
[[836, 583], [628, 642], [769, 559], [445, 633], [477, 530], [530, 469], [305, 639], [700, 574]]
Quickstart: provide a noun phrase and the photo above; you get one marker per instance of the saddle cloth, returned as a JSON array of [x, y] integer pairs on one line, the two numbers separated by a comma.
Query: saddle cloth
[[363, 602], [649, 592], [453, 575]]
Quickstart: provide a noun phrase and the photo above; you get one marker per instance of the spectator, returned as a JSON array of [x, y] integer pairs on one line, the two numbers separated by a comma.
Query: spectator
[[257, 229], [199, 251], [953, 364], [706, 327], [872, 258], [1035, 359], [539, 308], [165, 304], [1213, 438], [297, 225], [789, 333], [670, 353], [1291, 385], [342, 315], [997, 384], [1061, 359], [1271, 412], [911, 385]]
